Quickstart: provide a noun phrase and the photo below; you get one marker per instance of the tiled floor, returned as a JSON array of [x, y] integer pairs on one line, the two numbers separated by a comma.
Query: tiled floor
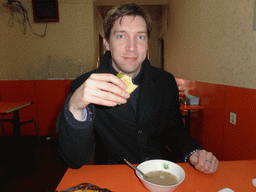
[[27, 166]]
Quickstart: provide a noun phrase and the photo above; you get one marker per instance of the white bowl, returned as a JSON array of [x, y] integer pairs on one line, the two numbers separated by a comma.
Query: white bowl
[[160, 165]]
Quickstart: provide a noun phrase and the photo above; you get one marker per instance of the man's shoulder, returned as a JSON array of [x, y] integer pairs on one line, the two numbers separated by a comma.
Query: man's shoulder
[[160, 74]]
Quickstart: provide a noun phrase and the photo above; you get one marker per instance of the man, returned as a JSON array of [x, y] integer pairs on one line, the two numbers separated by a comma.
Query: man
[[144, 123]]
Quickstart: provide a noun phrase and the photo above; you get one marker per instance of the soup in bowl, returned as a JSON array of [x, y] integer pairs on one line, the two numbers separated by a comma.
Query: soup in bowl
[[163, 175]]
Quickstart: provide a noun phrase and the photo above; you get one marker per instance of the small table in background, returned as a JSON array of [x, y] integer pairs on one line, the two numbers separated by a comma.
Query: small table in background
[[188, 108], [13, 107]]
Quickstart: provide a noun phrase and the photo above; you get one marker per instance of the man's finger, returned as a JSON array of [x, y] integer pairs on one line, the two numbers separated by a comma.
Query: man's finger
[[107, 77], [194, 158]]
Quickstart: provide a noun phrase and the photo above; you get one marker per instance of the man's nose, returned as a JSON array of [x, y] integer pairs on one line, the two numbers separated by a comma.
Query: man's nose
[[131, 45]]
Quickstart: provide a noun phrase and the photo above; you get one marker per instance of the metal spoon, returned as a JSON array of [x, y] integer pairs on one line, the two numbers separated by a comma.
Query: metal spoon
[[144, 176]]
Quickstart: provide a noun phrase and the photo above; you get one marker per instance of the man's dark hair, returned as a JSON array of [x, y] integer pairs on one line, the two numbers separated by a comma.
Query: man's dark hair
[[119, 11]]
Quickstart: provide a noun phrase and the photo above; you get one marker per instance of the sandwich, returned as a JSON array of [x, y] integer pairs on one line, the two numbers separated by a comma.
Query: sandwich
[[128, 81]]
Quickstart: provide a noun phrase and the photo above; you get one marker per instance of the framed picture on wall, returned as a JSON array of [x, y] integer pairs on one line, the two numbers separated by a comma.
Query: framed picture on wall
[[45, 10]]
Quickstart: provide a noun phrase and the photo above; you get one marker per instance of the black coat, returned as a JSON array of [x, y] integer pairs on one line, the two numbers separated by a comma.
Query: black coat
[[120, 133]]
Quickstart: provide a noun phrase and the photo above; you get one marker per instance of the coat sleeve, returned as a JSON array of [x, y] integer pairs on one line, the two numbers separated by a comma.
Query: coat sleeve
[[76, 146], [76, 139]]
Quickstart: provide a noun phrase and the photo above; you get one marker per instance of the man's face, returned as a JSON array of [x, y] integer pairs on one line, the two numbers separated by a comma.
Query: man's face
[[128, 44]]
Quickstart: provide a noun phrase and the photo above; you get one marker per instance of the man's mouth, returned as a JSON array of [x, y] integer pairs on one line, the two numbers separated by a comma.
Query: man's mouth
[[131, 58]]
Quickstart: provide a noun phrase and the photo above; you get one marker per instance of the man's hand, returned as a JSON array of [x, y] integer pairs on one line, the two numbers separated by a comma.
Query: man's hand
[[100, 89], [204, 161]]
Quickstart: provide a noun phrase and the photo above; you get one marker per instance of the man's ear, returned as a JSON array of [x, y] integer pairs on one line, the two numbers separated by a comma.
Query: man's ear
[[106, 44]]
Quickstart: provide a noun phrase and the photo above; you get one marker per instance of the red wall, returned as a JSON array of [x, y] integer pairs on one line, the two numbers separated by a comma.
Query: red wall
[[48, 96], [211, 126]]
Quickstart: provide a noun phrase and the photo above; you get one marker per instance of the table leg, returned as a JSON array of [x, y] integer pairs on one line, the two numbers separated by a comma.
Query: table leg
[[16, 124], [187, 122]]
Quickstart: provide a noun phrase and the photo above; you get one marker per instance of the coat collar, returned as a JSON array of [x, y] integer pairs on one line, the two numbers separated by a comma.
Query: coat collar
[[151, 93]]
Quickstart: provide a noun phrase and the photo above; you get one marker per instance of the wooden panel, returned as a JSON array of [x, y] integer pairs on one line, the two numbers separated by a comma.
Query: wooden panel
[[206, 125], [211, 126], [50, 96], [209, 123], [240, 139]]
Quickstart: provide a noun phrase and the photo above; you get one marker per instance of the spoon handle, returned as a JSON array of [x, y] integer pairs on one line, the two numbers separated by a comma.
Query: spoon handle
[[145, 176]]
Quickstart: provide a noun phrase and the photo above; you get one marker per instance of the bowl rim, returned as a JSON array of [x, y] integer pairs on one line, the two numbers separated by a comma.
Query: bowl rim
[[164, 161]]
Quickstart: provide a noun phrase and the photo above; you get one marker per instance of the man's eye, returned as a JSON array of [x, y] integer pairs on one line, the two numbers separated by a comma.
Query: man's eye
[[141, 37], [120, 36]]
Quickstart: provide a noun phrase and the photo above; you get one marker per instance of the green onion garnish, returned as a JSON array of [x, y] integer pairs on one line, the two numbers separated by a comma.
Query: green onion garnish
[[119, 75]]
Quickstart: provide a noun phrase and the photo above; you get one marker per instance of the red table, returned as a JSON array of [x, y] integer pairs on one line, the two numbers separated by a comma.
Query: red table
[[236, 175], [9, 107], [188, 108]]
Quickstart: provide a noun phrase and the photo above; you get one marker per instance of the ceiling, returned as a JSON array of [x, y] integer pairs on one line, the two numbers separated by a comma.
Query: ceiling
[[140, 2]]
